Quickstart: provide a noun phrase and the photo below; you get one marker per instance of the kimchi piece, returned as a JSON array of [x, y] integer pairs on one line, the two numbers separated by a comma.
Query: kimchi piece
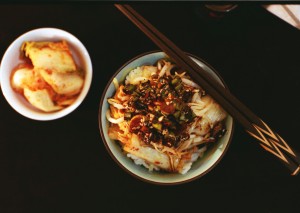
[[49, 78], [53, 56]]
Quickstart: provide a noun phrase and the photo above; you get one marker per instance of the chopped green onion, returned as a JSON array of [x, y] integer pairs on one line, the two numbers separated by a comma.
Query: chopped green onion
[[157, 126], [130, 88], [175, 81], [178, 87], [182, 117], [177, 114], [171, 134], [178, 106], [157, 108]]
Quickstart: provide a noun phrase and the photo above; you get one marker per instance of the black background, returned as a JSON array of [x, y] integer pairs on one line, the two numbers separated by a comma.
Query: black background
[[63, 166]]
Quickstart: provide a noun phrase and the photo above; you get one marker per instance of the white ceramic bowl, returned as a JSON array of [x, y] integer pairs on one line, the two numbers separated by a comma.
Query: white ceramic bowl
[[11, 59], [211, 157]]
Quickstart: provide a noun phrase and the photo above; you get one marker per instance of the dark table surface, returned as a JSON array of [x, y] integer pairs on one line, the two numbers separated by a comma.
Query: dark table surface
[[63, 166]]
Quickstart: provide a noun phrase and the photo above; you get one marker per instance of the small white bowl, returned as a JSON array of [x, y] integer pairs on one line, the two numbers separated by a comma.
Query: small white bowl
[[211, 157], [11, 59]]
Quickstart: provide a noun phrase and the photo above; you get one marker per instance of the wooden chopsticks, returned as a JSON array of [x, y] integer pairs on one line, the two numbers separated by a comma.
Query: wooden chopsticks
[[268, 139]]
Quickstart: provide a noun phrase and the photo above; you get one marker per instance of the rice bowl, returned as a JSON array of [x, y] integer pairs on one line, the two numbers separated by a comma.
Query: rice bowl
[[131, 162]]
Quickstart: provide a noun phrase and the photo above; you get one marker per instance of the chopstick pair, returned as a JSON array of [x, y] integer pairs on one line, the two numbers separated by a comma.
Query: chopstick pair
[[268, 139]]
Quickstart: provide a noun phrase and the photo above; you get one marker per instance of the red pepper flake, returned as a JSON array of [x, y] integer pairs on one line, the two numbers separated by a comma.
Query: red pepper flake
[[135, 149], [144, 129], [159, 85], [49, 71], [168, 109]]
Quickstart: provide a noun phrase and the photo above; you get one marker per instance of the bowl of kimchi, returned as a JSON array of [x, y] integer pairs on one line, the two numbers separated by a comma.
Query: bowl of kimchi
[[159, 125], [45, 74]]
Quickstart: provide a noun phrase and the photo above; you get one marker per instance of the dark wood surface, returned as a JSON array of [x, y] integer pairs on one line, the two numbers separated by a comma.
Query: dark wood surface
[[63, 166]]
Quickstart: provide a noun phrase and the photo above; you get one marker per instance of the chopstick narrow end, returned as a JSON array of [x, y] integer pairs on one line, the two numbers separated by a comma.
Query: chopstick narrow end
[[296, 172]]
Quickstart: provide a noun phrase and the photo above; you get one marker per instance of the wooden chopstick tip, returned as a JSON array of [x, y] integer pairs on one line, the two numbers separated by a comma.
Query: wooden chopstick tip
[[296, 172]]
